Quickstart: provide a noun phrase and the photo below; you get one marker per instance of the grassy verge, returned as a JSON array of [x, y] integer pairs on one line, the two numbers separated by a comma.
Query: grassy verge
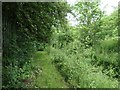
[[47, 75]]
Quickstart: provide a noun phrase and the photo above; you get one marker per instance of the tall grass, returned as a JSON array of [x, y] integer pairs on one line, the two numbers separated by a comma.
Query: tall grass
[[74, 64]]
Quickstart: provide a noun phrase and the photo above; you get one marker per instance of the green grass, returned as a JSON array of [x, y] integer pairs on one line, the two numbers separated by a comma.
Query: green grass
[[79, 72], [48, 76]]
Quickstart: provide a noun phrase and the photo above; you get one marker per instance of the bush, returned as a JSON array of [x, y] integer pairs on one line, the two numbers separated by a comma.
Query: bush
[[78, 71]]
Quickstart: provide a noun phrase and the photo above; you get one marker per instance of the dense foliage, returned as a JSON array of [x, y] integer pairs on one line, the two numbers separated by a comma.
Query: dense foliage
[[26, 26], [86, 55], [91, 59]]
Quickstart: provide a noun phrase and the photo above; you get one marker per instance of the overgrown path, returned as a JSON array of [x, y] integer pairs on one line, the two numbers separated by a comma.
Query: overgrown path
[[47, 76]]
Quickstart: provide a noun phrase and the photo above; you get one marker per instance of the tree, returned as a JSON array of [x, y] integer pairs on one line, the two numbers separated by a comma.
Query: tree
[[24, 26], [89, 21]]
